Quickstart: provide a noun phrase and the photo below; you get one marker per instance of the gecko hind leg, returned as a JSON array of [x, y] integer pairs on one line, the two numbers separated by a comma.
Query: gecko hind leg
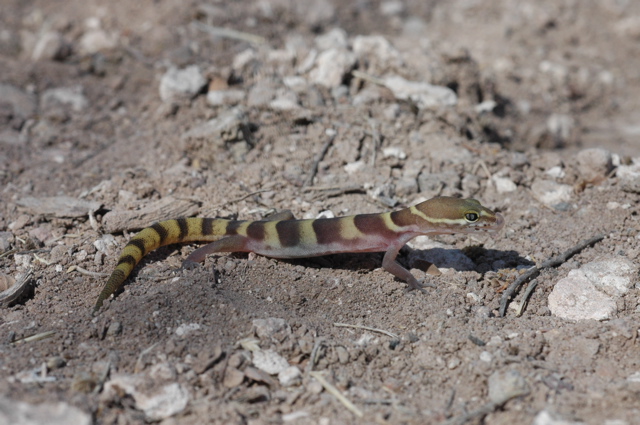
[[280, 216], [234, 243]]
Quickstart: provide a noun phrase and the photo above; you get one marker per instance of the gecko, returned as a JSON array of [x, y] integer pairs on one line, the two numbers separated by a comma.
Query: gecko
[[282, 236]]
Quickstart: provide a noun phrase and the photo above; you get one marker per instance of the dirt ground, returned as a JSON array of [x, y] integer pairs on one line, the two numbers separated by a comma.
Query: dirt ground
[[103, 132]]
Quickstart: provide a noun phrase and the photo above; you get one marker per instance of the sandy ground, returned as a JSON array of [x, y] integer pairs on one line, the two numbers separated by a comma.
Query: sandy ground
[[103, 132]]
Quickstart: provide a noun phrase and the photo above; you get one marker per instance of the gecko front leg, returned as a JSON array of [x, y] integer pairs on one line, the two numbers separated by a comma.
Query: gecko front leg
[[390, 264]]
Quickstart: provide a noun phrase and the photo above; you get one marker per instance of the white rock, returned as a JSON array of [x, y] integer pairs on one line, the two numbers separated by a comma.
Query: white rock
[[325, 214], [556, 172], [545, 418], [486, 106], [634, 377], [377, 48], [486, 357], [297, 416], [290, 376], [22, 260], [285, 102], [559, 72], [394, 151], [72, 96], [243, 58], [560, 126], [225, 97], [314, 13], [157, 404], [473, 298], [296, 83], [187, 328], [629, 27], [48, 47], [219, 128], [181, 83], [613, 276], [354, 167], [594, 164], [16, 412], [22, 103], [96, 40], [591, 291], [629, 176], [505, 385], [106, 243], [392, 8], [266, 328], [331, 67], [504, 184], [551, 193], [261, 93], [337, 37], [575, 298], [269, 361], [424, 95]]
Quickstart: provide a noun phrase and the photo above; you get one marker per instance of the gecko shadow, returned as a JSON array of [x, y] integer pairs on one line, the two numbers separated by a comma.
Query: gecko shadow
[[472, 258]]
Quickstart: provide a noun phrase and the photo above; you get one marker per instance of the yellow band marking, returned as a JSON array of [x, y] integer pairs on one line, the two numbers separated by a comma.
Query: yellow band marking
[[271, 237], [219, 227], [386, 217], [348, 229], [242, 228], [307, 234], [419, 213]]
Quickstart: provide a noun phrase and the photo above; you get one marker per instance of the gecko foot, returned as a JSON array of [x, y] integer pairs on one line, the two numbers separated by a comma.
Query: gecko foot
[[189, 265], [420, 286]]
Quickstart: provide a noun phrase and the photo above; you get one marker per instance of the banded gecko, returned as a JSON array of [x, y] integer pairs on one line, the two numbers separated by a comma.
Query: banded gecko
[[284, 237]]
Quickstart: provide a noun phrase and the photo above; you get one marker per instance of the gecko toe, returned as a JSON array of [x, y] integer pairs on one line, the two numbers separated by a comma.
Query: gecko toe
[[189, 265], [420, 286]]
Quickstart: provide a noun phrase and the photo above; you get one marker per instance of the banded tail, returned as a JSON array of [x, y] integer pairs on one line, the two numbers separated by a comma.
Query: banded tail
[[161, 234]]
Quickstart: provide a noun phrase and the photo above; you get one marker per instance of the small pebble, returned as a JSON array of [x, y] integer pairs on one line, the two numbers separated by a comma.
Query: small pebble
[[290, 376], [505, 385], [114, 329], [232, 377], [269, 361]]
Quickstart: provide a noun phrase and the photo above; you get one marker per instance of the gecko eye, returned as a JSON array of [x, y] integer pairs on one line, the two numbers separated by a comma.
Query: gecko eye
[[471, 217]]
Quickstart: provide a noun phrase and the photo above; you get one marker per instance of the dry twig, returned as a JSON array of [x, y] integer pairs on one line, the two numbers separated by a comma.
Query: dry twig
[[535, 271], [367, 328], [87, 272], [314, 168], [337, 394], [36, 337], [229, 33], [17, 290]]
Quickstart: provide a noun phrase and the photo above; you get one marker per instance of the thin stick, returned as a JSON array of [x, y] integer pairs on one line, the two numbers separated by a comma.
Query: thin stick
[[525, 297], [337, 394], [85, 271], [229, 33], [535, 271], [29, 251], [375, 137], [367, 77], [313, 359], [320, 157], [486, 408], [18, 289], [367, 328], [36, 337], [480, 412]]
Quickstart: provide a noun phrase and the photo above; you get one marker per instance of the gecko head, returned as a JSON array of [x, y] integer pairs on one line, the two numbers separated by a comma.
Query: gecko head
[[454, 215]]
